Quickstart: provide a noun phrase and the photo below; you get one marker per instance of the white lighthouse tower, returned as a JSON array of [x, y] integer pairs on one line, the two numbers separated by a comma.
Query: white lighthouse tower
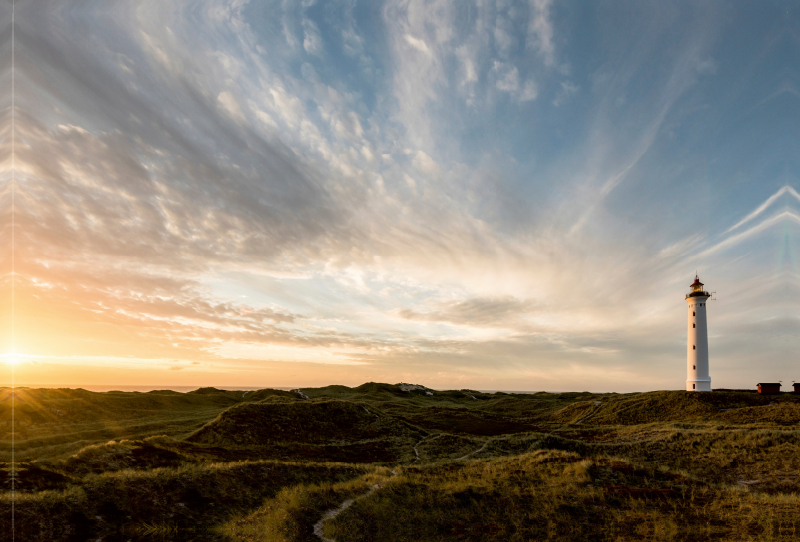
[[697, 378]]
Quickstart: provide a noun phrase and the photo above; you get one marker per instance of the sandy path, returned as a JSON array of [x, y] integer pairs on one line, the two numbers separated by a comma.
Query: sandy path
[[479, 450], [416, 451], [597, 407], [333, 512], [300, 394]]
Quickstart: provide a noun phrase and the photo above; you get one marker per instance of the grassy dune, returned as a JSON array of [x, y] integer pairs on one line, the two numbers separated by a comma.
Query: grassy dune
[[456, 465], [184, 502], [556, 495], [53, 423], [316, 422]]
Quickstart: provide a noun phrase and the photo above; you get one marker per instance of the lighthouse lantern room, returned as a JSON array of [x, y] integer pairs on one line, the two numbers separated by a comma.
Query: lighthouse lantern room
[[697, 377]]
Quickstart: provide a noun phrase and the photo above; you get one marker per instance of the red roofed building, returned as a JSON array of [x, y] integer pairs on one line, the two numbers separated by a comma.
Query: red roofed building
[[769, 388]]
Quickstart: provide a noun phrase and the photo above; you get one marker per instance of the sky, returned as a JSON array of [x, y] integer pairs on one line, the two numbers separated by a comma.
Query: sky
[[505, 195]]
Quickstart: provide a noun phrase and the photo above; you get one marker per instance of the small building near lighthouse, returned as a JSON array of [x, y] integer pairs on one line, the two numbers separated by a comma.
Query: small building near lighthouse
[[697, 376], [769, 388]]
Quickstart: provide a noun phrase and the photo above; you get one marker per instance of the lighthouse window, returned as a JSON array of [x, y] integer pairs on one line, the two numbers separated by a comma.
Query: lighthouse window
[[694, 325], [694, 347], [693, 386], [694, 367], [693, 314]]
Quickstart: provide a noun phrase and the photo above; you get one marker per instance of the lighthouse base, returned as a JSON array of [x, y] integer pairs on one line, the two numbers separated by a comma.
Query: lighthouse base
[[698, 385]]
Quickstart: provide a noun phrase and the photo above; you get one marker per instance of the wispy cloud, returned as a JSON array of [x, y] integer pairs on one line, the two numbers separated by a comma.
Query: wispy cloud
[[764, 206]]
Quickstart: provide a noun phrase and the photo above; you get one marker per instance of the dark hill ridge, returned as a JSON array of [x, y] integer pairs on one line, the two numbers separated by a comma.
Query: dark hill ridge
[[378, 391], [206, 391], [309, 422], [369, 391], [663, 406], [783, 413], [260, 395], [56, 423]]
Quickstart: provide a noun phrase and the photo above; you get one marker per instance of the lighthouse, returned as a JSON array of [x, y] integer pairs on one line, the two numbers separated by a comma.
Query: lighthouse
[[697, 378]]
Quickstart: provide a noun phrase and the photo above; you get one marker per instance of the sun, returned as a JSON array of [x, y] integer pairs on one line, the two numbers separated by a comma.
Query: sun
[[11, 359]]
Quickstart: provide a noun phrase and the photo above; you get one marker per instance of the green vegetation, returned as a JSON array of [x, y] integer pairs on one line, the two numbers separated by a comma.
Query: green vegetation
[[292, 513], [53, 423], [554, 495], [420, 465], [184, 501]]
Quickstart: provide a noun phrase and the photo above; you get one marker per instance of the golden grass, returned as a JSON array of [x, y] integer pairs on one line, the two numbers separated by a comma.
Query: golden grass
[[292, 513], [573, 466], [189, 499], [53, 424], [553, 495]]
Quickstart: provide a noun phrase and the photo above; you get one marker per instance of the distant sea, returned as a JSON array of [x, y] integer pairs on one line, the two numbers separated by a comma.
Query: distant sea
[[184, 389], [145, 389]]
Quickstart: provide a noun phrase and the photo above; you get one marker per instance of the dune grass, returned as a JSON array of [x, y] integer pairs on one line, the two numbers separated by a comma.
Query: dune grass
[[221, 465], [555, 495], [53, 424], [293, 512], [186, 501]]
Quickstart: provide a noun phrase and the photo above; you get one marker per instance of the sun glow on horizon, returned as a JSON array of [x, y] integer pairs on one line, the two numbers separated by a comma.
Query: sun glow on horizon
[[10, 359], [13, 359]]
